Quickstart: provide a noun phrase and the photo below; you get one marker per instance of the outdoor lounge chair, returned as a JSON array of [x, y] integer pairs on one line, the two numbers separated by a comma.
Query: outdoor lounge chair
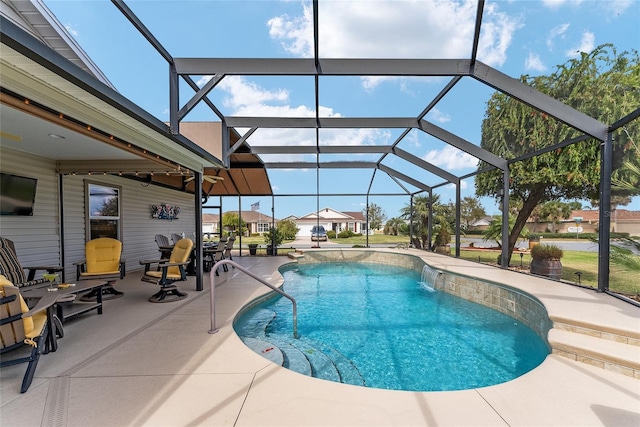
[[228, 249], [218, 255], [164, 245], [103, 262], [169, 271], [20, 326], [14, 272]]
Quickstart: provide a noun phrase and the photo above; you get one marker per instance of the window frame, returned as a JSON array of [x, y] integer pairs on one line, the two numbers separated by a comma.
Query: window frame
[[88, 217]]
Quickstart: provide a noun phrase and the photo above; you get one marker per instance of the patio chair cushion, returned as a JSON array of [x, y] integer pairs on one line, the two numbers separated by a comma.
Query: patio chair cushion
[[10, 267], [103, 256], [180, 253], [32, 325]]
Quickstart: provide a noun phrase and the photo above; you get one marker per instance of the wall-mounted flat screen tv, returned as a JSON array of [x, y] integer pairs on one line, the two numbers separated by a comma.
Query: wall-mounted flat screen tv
[[17, 194]]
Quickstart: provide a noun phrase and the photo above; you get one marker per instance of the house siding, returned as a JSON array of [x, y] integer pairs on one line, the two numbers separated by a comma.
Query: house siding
[[37, 238]]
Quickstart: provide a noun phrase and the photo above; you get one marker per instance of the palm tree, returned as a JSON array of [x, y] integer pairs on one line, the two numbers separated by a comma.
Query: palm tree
[[420, 219], [442, 219], [393, 226]]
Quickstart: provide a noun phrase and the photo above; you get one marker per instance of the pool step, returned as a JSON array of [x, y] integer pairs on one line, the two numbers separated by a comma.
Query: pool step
[[258, 325], [301, 355], [321, 365], [348, 372], [604, 353], [265, 349], [306, 357], [294, 358]]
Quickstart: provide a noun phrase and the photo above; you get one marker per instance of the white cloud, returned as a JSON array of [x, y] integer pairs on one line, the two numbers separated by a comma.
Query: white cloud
[[617, 7], [245, 98], [71, 30], [558, 31], [586, 45], [436, 115], [450, 158], [384, 29], [533, 62], [463, 185], [555, 4]]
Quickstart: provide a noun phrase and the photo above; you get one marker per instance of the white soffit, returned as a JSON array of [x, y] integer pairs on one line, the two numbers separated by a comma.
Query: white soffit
[[31, 80]]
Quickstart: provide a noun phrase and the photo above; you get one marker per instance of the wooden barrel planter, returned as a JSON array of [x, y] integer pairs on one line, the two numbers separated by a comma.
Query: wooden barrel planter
[[443, 249], [551, 268]]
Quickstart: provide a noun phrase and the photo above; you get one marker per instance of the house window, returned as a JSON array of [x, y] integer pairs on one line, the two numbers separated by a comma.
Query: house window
[[103, 210], [263, 227], [351, 226]]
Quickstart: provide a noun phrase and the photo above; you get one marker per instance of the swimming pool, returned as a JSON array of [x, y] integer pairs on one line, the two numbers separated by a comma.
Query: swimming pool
[[394, 330]]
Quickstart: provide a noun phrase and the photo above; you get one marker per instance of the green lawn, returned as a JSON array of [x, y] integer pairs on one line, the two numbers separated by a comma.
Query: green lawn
[[621, 280]]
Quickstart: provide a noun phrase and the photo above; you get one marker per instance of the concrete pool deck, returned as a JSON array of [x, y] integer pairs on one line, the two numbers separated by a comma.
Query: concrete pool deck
[[141, 363]]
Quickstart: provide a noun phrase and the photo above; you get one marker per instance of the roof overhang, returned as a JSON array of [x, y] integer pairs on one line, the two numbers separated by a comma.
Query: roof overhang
[[41, 77]]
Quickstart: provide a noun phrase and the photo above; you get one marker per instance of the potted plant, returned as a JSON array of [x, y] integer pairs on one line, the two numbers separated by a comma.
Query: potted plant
[[273, 238], [442, 241], [545, 261], [253, 248]]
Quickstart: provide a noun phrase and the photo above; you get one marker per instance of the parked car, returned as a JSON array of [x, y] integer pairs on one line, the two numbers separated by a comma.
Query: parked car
[[318, 233]]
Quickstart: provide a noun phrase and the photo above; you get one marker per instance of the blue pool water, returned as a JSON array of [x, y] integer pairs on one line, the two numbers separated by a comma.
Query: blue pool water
[[397, 331]]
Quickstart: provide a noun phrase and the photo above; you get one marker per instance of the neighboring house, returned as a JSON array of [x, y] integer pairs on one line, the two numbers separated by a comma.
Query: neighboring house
[[210, 224], [330, 219], [481, 224], [257, 222], [622, 221]]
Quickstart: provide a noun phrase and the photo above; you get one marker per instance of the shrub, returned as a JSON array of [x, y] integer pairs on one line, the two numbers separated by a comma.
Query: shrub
[[331, 234], [345, 234], [546, 252], [288, 229], [273, 235]]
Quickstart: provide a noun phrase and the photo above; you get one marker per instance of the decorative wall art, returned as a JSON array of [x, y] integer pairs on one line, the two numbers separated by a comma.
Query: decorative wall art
[[165, 211]]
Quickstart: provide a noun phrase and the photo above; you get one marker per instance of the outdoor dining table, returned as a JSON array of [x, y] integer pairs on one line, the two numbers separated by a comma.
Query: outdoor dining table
[[64, 311]]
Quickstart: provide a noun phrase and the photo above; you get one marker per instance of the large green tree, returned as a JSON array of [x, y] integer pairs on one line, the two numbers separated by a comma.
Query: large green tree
[[602, 84], [377, 216], [231, 221], [471, 210], [556, 210]]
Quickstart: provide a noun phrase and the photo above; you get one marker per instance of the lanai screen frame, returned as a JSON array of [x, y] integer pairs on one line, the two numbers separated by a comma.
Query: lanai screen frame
[[185, 68]]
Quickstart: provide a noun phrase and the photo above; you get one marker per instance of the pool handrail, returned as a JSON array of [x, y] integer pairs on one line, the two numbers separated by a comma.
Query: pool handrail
[[212, 281]]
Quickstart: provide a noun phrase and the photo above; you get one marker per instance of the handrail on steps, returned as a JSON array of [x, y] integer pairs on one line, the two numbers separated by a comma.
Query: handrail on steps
[[212, 276]]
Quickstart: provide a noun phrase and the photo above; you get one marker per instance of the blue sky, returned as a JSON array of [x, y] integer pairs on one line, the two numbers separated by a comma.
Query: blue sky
[[518, 37]]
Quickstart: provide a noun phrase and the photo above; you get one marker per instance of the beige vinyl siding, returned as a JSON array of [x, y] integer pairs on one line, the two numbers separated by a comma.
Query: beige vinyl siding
[[36, 237], [138, 228]]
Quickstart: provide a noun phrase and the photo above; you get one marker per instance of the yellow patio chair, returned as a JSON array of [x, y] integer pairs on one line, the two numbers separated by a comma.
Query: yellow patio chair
[[169, 271], [20, 326], [103, 262]]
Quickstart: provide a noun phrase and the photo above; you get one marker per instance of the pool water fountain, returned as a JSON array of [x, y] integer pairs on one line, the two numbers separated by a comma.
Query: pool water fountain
[[428, 278]]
